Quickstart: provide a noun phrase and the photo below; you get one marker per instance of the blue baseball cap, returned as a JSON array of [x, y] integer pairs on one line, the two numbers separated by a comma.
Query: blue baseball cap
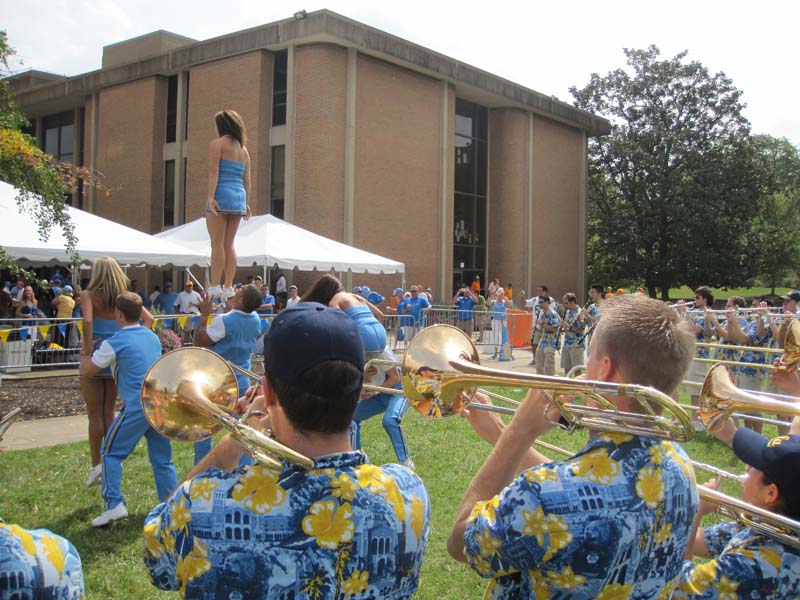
[[397, 292], [778, 458], [67, 289], [357, 289], [365, 290], [306, 335]]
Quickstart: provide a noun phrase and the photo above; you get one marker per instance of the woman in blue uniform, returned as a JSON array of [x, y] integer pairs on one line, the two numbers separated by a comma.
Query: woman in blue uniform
[[228, 193]]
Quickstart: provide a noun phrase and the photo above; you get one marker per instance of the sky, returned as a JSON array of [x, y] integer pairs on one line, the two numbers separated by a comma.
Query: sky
[[545, 46]]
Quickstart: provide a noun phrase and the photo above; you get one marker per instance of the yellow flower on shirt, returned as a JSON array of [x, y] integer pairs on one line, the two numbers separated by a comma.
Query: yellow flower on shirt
[[486, 508], [616, 591], [726, 588], [202, 488], [329, 524], [344, 487], [684, 463], [656, 455], [668, 589], [53, 551], [180, 515], [699, 578], [25, 538], [488, 544], [541, 588], [596, 466], [551, 528], [541, 474], [566, 580], [258, 490], [193, 565], [616, 438], [356, 583], [152, 545], [650, 486], [417, 515], [663, 534], [375, 481]]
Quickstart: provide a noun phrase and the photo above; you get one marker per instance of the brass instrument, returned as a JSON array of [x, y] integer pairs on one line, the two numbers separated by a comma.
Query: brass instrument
[[441, 372], [8, 419], [719, 398], [190, 393], [791, 352], [778, 527]]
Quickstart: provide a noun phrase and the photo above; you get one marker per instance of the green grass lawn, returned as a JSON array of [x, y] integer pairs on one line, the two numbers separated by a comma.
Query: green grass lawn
[[45, 488], [724, 293]]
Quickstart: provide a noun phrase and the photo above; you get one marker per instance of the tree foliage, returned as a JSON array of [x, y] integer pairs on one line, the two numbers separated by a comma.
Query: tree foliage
[[42, 181], [673, 188]]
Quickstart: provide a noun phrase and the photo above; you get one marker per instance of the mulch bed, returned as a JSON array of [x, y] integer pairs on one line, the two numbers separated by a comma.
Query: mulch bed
[[42, 398]]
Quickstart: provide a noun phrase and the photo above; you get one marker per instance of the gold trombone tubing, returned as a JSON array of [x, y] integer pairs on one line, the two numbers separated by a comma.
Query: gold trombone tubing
[[733, 347]]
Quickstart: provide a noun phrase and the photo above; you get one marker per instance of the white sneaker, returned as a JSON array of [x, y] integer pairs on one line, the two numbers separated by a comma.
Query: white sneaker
[[409, 464], [111, 515], [215, 291], [94, 475], [228, 293]]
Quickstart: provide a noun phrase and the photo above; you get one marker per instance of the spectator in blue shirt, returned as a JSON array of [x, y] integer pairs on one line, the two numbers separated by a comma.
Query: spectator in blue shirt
[[267, 301], [465, 300], [165, 302], [416, 307]]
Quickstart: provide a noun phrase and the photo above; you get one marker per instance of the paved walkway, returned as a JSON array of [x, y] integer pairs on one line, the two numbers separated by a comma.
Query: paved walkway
[[43, 433]]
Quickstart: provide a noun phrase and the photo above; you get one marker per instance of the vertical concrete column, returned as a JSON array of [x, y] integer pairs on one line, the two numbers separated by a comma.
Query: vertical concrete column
[[77, 159], [350, 156], [93, 132], [288, 198], [583, 199], [445, 236], [179, 206], [529, 206]]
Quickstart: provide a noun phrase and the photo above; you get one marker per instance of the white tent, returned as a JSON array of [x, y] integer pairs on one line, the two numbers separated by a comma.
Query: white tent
[[268, 241], [97, 237]]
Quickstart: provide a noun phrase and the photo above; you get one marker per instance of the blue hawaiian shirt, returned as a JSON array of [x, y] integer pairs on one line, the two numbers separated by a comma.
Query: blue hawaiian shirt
[[613, 521], [734, 355], [758, 341], [36, 563], [343, 529], [746, 565], [574, 339], [549, 339], [700, 321]]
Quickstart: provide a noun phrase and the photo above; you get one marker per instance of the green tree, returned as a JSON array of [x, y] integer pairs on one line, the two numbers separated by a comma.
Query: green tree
[[673, 188], [42, 181]]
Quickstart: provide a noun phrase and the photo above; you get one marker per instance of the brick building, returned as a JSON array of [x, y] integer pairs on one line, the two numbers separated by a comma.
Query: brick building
[[354, 134]]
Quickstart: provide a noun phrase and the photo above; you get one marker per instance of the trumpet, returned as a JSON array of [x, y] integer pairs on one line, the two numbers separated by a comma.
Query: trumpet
[[441, 371], [189, 394], [719, 397], [791, 352], [773, 525]]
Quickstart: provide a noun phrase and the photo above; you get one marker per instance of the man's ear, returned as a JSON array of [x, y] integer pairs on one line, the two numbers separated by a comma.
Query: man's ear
[[608, 368], [270, 397], [772, 495]]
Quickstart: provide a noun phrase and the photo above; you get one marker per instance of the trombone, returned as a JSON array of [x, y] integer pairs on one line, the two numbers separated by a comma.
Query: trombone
[[719, 397], [190, 393], [791, 352], [778, 527], [441, 372]]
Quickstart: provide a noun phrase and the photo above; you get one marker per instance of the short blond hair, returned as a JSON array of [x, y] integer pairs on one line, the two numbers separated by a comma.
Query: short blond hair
[[649, 342]]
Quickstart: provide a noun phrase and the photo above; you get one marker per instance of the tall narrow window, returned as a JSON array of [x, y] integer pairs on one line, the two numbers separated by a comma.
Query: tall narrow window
[[172, 109], [169, 193], [469, 205], [279, 87], [59, 132], [278, 178]]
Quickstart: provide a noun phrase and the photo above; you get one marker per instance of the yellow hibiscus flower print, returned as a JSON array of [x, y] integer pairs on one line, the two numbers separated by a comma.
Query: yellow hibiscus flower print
[[699, 578], [663, 534], [53, 551], [685, 464], [152, 545], [666, 591], [372, 479], [726, 588], [258, 490], [656, 455], [488, 544], [597, 467], [417, 515], [650, 486], [193, 565], [344, 487], [202, 488], [486, 508], [616, 591], [551, 528], [329, 524], [180, 515], [28, 543], [540, 475], [357, 583], [566, 580], [541, 588], [616, 438]]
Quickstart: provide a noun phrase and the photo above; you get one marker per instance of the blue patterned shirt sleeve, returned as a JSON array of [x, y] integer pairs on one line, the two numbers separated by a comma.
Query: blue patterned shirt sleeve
[[717, 536], [574, 339], [36, 563], [343, 527], [750, 566]]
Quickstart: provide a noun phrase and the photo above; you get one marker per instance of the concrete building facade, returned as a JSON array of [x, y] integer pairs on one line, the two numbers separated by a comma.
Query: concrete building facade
[[353, 133]]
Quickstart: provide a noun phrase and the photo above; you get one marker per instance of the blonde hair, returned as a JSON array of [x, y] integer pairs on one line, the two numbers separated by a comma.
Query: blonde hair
[[650, 343], [108, 281]]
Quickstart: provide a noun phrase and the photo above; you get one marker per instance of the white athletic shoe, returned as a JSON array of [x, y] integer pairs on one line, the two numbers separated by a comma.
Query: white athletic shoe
[[228, 293], [94, 475], [111, 515], [215, 291], [409, 464]]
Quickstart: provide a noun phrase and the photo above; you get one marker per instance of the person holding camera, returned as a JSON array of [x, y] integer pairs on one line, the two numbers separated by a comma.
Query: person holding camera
[[465, 300]]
